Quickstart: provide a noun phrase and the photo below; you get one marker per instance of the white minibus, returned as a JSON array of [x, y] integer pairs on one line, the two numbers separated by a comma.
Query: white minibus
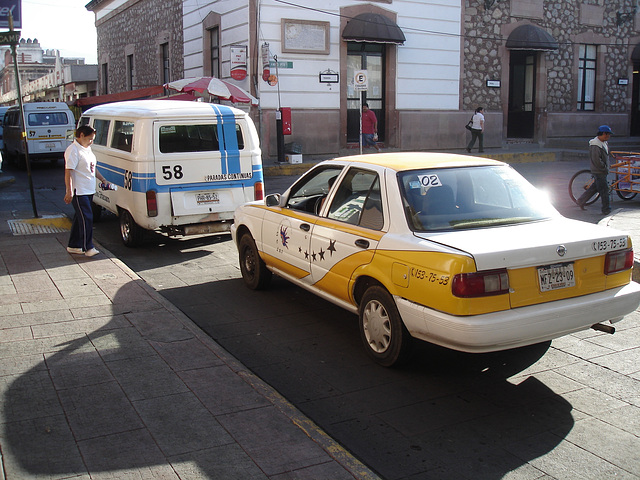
[[50, 130], [179, 167]]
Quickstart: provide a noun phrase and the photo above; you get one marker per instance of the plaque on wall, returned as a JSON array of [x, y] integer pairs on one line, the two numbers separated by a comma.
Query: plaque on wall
[[305, 36]]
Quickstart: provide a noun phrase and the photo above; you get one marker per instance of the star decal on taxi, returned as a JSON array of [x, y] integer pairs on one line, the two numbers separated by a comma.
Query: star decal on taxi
[[284, 238]]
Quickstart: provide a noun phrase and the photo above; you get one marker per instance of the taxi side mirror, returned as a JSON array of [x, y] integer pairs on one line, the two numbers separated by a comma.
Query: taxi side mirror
[[272, 200]]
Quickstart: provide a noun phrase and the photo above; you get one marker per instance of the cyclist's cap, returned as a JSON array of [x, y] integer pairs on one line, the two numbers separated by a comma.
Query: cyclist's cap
[[605, 129]]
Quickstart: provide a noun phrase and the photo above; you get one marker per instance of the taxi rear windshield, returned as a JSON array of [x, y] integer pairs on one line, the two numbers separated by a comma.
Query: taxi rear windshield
[[470, 197]]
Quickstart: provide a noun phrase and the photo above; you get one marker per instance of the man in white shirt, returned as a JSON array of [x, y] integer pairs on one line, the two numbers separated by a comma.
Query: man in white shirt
[[80, 185]]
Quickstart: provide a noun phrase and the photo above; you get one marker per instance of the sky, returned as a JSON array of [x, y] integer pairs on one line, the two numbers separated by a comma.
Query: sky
[[64, 25]]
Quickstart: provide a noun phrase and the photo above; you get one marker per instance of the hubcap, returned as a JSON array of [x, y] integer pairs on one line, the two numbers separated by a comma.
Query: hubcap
[[249, 263], [377, 327]]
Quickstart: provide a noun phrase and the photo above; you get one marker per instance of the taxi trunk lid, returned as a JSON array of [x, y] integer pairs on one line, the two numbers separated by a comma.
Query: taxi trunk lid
[[570, 251]]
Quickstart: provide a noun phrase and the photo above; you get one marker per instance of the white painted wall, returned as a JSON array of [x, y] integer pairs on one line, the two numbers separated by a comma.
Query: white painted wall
[[428, 63]]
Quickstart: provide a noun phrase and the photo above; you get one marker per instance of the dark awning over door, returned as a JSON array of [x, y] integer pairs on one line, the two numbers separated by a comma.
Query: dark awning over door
[[374, 28], [530, 37]]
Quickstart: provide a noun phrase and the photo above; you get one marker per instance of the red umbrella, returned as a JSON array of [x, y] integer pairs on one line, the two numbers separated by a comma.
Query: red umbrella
[[213, 86]]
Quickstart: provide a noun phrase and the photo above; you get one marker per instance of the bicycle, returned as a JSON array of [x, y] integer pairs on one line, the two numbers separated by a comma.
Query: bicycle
[[626, 168]]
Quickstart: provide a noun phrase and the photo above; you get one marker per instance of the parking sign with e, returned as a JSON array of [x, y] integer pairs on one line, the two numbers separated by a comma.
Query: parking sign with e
[[360, 80]]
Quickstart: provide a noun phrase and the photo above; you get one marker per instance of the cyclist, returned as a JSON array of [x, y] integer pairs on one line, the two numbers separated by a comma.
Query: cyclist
[[599, 155]]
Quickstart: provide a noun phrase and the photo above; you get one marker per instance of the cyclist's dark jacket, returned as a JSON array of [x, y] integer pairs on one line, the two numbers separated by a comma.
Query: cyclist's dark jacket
[[599, 154]]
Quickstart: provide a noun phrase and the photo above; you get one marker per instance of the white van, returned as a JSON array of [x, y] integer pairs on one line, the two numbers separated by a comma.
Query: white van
[[3, 110], [180, 167], [50, 130]]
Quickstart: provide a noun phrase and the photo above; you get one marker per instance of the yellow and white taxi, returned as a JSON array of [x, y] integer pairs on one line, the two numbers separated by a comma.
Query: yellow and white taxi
[[459, 251]]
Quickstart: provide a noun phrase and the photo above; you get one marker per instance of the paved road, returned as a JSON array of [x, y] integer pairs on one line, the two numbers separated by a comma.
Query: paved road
[[524, 413]]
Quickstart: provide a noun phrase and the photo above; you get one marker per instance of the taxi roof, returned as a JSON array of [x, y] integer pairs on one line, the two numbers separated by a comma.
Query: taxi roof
[[400, 161]]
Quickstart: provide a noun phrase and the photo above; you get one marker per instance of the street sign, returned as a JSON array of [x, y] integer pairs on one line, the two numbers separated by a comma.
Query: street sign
[[10, 8], [9, 38], [360, 80]]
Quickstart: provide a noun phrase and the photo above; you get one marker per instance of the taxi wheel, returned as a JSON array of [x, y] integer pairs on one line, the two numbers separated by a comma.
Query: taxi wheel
[[385, 337], [255, 273], [130, 232]]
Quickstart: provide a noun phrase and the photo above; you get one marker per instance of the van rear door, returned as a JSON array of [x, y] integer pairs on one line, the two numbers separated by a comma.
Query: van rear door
[[203, 164]]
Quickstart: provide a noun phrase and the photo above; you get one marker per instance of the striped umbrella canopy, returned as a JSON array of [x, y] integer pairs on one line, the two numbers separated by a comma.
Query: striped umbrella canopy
[[214, 87]]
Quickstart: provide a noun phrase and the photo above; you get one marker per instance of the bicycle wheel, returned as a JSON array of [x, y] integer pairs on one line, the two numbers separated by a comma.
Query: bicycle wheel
[[580, 183], [625, 195]]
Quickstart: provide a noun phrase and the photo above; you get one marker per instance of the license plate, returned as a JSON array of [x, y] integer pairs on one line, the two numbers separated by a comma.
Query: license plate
[[49, 145], [207, 198], [554, 277]]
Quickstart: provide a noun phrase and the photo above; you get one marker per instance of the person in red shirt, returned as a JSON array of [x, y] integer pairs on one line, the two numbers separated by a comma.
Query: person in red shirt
[[369, 127]]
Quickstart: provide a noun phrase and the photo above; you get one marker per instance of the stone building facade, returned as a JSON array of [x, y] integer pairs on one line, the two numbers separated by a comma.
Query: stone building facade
[[139, 43], [609, 29]]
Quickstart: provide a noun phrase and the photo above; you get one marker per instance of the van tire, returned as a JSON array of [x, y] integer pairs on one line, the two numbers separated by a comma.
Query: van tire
[[130, 232]]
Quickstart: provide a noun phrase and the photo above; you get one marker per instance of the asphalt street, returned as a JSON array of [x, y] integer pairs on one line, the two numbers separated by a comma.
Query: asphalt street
[[563, 409]]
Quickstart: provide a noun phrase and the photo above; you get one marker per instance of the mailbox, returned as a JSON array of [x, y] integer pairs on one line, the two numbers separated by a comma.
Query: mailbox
[[285, 113]]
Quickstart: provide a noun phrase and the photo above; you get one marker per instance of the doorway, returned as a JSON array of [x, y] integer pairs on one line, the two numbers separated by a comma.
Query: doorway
[[635, 102], [522, 95], [369, 57]]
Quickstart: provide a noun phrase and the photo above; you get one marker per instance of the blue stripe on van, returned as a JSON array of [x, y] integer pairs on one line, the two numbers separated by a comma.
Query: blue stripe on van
[[227, 131], [142, 182]]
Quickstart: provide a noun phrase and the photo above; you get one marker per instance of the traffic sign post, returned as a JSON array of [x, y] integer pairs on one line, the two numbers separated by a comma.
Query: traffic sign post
[[361, 83]]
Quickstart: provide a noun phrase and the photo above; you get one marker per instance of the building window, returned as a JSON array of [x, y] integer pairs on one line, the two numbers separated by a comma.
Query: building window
[[105, 79], [166, 76], [587, 77], [130, 72], [213, 35]]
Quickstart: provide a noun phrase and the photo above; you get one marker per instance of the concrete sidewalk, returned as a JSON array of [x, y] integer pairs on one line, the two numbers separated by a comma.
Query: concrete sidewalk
[[101, 377]]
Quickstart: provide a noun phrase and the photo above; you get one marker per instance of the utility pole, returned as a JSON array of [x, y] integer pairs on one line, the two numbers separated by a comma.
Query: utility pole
[[24, 123]]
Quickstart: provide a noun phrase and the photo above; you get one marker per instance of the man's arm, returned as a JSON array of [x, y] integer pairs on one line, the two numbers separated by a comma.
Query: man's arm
[[68, 194]]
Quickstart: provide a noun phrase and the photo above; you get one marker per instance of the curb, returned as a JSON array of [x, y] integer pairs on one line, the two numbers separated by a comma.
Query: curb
[[281, 169], [4, 181]]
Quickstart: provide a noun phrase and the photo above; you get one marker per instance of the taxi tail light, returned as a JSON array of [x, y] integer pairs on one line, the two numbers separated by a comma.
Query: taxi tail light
[[258, 191], [616, 262], [152, 204], [480, 284]]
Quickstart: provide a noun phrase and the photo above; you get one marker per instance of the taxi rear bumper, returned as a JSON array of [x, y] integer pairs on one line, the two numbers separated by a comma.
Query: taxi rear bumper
[[519, 326]]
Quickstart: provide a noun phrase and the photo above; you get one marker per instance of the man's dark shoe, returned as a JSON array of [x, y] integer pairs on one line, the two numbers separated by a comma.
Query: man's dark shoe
[[606, 211]]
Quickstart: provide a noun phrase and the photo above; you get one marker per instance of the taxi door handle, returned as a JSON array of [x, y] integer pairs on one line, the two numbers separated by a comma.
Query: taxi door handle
[[362, 243], [305, 227]]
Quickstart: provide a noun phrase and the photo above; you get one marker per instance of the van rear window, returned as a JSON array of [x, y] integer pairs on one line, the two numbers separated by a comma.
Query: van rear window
[[189, 138], [46, 119]]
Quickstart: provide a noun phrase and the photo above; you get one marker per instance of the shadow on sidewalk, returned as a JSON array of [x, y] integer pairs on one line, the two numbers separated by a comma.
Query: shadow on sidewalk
[[139, 397]]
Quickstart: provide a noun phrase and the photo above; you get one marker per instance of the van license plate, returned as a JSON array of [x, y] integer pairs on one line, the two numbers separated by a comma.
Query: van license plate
[[49, 145], [207, 198], [554, 277]]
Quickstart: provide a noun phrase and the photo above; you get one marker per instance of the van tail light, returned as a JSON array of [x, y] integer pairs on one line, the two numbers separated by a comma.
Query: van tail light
[[152, 203], [480, 284], [619, 261], [258, 191]]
